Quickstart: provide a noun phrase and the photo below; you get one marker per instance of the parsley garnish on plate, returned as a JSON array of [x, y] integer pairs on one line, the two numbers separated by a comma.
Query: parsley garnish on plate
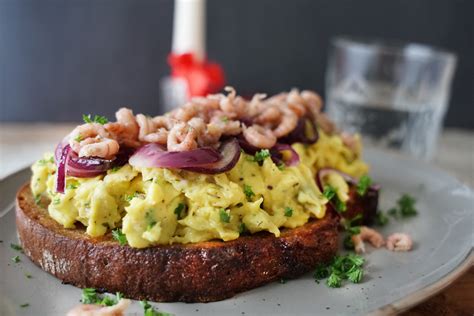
[[24, 305], [288, 211], [405, 207], [16, 247], [16, 259], [97, 119], [364, 183], [119, 236], [148, 310], [90, 296], [224, 215], [248, 192], [261, 155], [348, 267]]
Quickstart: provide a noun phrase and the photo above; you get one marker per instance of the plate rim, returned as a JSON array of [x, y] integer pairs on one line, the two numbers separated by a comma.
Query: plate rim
[[413, 298]]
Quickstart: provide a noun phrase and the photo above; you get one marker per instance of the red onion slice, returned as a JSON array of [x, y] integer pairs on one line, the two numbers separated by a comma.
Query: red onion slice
[[277, 155], [153, 155], [230, 152], [61, 172], [87, 167]]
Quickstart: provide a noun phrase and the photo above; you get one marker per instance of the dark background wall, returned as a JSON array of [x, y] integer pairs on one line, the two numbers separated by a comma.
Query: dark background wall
[[59, 59]]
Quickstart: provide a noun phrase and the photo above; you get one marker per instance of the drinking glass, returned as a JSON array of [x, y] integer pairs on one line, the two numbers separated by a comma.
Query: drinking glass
[[395, 95]]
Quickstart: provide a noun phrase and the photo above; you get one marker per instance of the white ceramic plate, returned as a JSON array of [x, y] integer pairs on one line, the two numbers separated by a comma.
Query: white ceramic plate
[[443, 235]]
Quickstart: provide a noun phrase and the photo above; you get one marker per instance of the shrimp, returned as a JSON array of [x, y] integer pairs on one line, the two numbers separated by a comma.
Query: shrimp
[[313, 103], [256, 104], [150, 131], [259, 136], [233, 106], [288, 123], [85, 131], [182, 137], [100, 310], [326, 124], [99, 147], [367, 234], [297, 108], [269, 115], [125, 130], [399, 242], [227, 126]]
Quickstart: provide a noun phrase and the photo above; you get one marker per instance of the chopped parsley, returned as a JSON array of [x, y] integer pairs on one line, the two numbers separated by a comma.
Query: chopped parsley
[[341, 268], [281, 166], [28, 276], [16, 259], [224, 216], [16, 247], [24, 305], [97, 119], [179, 210], [78, 138], [150, 219], [329, 192], [248, 192], [43, 162], [288, 211], [224, 119], [37, 199], [72, 186], [339, 205], [406, 204], [56, 201], [119, 236], [381, 219], [115, 169], [242, 228], [129, 197], [405, 207], [261, 155], [90, 296], [363, 185], [148, 310]]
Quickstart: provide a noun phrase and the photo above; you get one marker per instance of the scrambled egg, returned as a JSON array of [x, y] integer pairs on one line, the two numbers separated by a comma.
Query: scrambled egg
[[163, 206]]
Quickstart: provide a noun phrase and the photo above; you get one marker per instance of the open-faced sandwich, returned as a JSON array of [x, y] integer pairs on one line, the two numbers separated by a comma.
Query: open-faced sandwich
[[214, 198]]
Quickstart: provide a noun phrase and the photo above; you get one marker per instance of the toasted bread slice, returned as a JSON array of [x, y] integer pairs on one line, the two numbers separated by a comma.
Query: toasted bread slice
[[199, 272]]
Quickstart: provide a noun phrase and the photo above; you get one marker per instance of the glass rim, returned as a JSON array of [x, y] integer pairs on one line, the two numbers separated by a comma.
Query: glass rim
[[392, 47]]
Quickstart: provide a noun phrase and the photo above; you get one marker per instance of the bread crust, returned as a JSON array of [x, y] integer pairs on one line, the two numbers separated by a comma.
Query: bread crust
[[200, 272]]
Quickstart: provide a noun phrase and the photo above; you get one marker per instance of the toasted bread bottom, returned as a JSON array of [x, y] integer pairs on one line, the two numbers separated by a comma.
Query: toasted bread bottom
[[199, 272]]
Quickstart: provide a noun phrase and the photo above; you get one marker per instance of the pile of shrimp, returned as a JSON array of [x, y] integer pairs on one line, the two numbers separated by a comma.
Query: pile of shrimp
[[203, 121]]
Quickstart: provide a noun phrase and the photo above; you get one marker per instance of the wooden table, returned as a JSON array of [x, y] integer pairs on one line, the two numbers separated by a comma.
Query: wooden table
[[21, 144]]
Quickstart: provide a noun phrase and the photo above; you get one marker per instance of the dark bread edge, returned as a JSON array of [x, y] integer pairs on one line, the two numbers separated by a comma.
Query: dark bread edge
[[201, 272]]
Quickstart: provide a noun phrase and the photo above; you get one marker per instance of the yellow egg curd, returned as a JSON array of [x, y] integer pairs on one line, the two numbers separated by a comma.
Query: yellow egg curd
[[163, 206]]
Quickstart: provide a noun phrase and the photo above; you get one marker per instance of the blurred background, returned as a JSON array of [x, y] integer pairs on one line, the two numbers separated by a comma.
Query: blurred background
[[60, 59]]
